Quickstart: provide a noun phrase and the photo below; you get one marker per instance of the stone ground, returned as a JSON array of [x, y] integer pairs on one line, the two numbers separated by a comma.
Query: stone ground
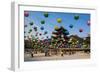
[[42, 57]]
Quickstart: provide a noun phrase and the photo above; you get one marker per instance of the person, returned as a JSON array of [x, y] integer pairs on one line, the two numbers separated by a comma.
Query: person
[[32, 54], [62, 53], [45, 53]]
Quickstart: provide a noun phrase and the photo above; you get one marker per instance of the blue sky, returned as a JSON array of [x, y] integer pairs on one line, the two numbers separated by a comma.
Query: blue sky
[[51, 22]]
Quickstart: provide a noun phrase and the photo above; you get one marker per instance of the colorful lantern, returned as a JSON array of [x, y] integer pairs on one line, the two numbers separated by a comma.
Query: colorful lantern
[[42, 28], [42, 22], [25, 25], [59, 20], [45, 32], [46, 14], [76, 17], [30, 30], [71, 26], [31, 23], [26, 14], [47, 37], [35, 28], [80, 30], [56, 27], [40, 34]]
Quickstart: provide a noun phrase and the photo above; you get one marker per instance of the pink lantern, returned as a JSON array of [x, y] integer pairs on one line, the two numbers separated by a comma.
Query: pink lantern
[[26, 14], [80, 30]]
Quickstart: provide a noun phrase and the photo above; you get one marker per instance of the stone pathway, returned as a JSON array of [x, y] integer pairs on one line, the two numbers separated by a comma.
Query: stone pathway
[[42, 57]]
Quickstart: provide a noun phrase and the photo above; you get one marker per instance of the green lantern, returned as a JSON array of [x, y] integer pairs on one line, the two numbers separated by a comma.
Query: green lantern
[[31, 23], [56, 27], [42, 22], [46, 14], [59, 20], [76, 17], [30, 30]]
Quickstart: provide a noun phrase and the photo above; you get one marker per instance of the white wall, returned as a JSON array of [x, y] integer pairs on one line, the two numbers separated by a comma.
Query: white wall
[[5, 31]]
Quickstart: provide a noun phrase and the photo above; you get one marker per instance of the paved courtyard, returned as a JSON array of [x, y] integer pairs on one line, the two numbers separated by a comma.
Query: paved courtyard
[[42, 57]]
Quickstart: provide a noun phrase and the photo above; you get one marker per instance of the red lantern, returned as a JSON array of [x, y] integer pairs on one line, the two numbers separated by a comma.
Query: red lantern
[[26, 14]]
